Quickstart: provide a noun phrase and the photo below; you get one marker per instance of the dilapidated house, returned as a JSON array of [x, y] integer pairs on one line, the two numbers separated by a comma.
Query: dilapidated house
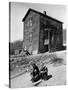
[[42, 33]]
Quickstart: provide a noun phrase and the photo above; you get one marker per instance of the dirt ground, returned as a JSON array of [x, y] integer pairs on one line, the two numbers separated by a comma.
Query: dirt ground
[[57, 72]]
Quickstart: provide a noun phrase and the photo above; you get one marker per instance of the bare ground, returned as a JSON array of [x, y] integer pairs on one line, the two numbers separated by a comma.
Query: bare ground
[[56, 68]]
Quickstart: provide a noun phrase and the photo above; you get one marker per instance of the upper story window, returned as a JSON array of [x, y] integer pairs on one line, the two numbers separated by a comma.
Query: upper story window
[[29, 23]]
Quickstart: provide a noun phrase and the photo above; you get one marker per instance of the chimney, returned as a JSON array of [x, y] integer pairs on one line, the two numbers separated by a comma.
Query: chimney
[[44, 12]]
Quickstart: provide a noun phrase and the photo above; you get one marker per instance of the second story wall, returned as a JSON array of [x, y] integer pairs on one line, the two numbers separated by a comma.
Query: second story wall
[[31, 31]]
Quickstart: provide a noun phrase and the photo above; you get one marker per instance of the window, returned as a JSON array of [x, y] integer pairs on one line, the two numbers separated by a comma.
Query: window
[[30, 37], [30, 34], [46, 41], [29, 23]]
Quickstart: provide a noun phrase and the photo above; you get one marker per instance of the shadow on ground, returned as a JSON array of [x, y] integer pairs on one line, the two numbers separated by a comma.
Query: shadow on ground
[[49, 76]]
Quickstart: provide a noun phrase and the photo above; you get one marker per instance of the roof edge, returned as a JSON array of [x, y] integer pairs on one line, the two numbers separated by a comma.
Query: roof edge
[[41, 14]]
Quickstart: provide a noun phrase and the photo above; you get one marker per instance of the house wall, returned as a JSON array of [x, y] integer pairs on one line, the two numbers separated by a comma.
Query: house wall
[[55, 32], [41, 35], [35, 26], [31, 32], [55, 35]]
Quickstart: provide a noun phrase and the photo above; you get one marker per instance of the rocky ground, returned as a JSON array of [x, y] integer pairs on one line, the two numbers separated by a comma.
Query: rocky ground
[[56, 69]]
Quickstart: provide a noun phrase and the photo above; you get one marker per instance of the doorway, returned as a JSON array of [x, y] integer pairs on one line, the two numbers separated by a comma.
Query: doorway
[[46, 40]]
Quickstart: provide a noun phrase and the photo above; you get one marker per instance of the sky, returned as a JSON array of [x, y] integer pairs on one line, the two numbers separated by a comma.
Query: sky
[[18, 11]]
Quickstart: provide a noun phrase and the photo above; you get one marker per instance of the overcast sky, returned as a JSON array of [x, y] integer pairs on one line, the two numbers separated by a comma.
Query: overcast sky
[[18, 11]]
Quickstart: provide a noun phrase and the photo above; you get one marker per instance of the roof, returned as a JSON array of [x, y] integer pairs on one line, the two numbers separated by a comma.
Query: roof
[[40, 14]]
